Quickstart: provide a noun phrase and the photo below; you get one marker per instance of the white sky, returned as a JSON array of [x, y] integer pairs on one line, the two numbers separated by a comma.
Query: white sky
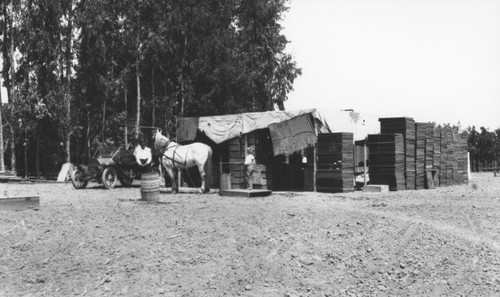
[[433, 60]]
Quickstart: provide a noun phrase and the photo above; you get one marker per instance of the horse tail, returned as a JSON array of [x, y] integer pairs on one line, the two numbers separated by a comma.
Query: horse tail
[[208, 170]]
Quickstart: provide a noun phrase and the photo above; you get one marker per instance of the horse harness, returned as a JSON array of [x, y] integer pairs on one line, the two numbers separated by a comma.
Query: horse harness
[[176, 146]]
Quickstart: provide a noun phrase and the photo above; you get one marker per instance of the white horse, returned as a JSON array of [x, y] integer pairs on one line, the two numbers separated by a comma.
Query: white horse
[[176, 156]]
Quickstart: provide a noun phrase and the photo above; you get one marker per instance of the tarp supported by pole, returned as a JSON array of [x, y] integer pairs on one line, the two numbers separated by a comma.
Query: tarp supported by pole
[[292, 135]]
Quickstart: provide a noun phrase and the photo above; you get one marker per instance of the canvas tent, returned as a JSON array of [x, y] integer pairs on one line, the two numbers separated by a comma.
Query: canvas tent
[[290, 130], [279, 137]]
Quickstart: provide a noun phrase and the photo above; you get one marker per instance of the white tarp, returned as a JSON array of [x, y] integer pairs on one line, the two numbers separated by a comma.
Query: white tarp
[[353, 122], [225, 127]]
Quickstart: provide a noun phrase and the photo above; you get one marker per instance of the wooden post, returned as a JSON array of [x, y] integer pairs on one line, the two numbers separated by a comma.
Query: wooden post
[[315, 166], [220, 172], [242, 166], [364, 162], [245, 145]]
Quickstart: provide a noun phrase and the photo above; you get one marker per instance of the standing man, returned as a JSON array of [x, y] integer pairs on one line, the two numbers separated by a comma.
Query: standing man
[[250, 166]]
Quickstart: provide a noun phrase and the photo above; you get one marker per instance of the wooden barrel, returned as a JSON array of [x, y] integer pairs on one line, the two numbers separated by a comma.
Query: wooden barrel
[[150, 187]]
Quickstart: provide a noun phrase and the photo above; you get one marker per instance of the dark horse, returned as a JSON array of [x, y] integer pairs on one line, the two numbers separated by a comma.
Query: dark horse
[[176, 156]]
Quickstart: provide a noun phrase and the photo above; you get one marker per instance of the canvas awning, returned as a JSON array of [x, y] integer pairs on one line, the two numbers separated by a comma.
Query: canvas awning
[[224, 127]]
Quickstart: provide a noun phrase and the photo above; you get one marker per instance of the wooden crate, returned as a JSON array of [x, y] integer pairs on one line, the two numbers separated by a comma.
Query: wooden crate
[[406, 127], [387, 160], [335, 162]]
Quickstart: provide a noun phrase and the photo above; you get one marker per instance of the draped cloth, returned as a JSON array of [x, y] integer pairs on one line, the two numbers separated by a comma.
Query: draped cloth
[[292, 135], [224, 127], [187, 128]]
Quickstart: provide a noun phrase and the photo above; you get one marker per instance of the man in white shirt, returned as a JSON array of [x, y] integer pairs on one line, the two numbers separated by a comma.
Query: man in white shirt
[[250, 166]]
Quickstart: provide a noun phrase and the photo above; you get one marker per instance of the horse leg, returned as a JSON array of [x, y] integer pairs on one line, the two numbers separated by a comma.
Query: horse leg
[[201, 169], [171, 173]]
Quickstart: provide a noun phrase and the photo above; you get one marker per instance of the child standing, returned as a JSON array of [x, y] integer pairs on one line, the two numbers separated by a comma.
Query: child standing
[[250, 166]]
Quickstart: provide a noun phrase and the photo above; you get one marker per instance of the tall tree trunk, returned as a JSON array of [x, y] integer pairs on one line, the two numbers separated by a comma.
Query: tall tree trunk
[[138, 115], [88, 136], [2, 161], [153, 97], [104, 118], [68, 81], [125, 136], [13, 88], [181, 75], [5, 50], [25, 145], [181, 80], [37, 156]]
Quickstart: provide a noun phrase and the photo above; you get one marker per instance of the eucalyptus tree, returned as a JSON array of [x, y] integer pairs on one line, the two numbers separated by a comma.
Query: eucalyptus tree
[[9, 21], [271, 71], [86, 65], [44, 77]]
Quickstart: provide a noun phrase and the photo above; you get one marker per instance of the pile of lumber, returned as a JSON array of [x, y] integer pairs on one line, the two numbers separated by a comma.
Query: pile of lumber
[[410, 153], [462, 159], [406, 127], [446, 159], [424, 152], [387, 160], [335, 162], [436, 160], [453, 158]]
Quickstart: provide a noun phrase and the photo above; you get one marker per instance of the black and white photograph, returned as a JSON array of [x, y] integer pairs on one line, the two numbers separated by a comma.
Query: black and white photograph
[[258, 148]]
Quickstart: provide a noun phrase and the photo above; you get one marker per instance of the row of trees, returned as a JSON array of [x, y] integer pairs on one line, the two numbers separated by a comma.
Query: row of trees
[[484, 148], [82, 71]]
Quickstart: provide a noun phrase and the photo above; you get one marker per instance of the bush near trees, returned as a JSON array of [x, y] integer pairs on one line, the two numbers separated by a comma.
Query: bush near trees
[[77, 71]]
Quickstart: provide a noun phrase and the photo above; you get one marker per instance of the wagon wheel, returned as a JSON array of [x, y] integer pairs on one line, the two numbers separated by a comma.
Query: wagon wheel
[[78, 178], [109, 177]]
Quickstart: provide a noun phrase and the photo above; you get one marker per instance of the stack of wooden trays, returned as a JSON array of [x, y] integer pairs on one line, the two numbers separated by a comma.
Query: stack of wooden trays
[[406, 127], [424, 152], [447, 157], [335, 162], [429, 145], [420, 156], [462, 158], [387, 160], [436, 164]]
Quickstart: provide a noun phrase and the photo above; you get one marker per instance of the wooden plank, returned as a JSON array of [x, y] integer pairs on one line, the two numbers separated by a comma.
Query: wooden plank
[[7, 179], [245, 193], [20, 203]]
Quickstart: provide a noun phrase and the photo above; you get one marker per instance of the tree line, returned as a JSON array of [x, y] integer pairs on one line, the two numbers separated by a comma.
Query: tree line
[[484, 148], [83, 72]]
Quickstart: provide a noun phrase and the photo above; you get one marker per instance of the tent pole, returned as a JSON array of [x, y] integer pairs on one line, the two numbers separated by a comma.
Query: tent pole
[[245, 146], [315, 166], [364, 161], [179, 171]]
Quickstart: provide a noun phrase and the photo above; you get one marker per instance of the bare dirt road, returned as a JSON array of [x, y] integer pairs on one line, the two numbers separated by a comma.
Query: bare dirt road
[[96, 242]]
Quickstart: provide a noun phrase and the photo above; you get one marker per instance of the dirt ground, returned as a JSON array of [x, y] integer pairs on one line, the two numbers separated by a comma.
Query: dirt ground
[[96, 242]]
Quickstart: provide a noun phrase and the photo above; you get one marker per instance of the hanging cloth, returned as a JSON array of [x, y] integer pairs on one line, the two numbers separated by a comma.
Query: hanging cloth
[[293, 135]]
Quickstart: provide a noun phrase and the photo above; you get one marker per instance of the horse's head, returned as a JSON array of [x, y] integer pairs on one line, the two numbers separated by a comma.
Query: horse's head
[[160, 141]]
